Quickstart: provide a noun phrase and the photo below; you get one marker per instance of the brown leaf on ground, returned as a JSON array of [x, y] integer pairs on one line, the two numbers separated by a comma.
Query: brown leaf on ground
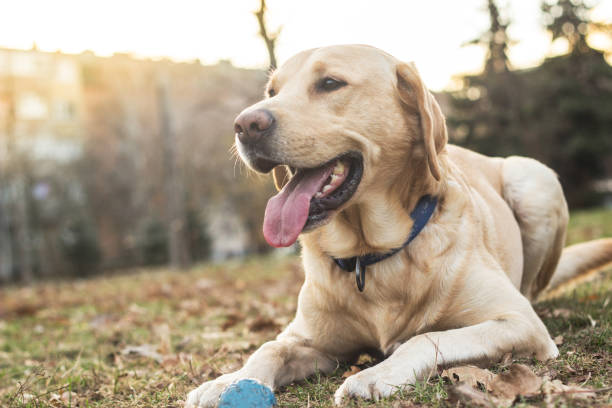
[[558, 340], [471, 375], [16, 309], [506, 360], [231, 320], [69, 398], [145, 350], [172, 361], [561, 313], [262, 323], [217, 335], [518, 380], [469, 396], [554, 388], [191, 306], [505, 387], [351, 371], [162, 331], [205, 284]]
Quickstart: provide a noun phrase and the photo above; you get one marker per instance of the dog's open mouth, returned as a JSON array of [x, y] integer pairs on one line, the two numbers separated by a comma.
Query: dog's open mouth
[[310, 198]]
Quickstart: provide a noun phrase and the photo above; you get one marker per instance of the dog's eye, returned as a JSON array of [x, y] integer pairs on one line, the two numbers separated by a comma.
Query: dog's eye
[[271, 92], [329, 84]]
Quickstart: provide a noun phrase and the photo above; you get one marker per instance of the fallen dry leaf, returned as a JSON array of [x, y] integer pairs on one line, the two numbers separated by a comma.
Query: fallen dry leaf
[[205, 284], [69, 398], [561, 313], [506, 360], [162, 331], [518, 380], [351, 371], [505, 387], [191, 306], [145, 350], [469, 396], [558, 340], [471, 375], [217, 335], [554, 388], [262, 323], [231, 320]]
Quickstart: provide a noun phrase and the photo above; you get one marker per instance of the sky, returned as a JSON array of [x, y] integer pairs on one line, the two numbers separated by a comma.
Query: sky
[[432, 33]]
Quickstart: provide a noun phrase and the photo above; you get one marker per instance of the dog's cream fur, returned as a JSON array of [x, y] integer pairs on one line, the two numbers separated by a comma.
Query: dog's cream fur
[[460, 292]]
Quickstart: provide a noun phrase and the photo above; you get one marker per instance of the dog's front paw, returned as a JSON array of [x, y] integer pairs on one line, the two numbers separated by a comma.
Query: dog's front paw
[[373, 383], [207, 394]]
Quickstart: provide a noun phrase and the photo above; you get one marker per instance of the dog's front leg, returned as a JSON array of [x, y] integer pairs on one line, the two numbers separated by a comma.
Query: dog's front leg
[[276, 363], [420, 356]]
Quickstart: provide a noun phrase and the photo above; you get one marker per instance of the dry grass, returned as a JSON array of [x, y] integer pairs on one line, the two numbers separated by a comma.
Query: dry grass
[[145, 339]]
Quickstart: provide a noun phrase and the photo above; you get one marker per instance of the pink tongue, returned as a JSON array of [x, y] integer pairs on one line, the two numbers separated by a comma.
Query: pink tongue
[[286, 212]]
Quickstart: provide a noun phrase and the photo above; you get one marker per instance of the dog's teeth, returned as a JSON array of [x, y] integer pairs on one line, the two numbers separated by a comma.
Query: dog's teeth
[[339, 169], [334, 178], [327, 188], [319, 195]]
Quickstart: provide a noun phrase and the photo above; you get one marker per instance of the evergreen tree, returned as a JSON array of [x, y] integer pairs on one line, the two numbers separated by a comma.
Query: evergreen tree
[[568, 19], [496, 40], [484, 111], [558, 113]]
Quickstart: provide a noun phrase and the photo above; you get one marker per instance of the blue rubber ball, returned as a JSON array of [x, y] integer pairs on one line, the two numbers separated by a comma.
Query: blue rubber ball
[[247, 394]]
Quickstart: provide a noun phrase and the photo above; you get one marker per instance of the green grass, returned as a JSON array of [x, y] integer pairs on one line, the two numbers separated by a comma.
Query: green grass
[[63, 344], [589, 224]]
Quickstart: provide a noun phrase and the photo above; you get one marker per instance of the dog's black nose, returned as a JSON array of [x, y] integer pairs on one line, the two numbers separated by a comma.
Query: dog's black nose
[[251, 126]]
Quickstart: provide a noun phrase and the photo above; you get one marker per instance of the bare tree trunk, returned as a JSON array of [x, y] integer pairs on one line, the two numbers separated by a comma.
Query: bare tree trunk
[[269, 39], [22, 218], [175, 191], [16, 167], [6, 241], [6, 247]]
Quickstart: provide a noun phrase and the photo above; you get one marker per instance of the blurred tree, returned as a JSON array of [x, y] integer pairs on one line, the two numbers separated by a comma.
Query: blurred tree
[[153, 243], [16, 182], [484, 115], [80, 246], [121, 168], [568, 19], [197, 237], [571, 101], [569, 111], [496, 41], [109, 203], [557, 113], [269, 38], [176, 217], [6, 242]]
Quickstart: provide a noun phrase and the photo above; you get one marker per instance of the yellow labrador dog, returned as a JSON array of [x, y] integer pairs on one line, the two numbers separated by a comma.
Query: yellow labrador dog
[[448, 247]]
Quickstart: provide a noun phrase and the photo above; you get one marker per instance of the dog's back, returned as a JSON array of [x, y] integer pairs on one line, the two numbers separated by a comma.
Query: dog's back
[[533, 193]]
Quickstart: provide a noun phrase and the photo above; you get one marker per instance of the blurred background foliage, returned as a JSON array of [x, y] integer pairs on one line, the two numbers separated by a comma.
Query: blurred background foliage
[[558, 112], [109, 163]]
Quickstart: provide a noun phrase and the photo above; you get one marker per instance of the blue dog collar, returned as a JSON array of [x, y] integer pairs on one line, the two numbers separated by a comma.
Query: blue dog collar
[[420, 215]]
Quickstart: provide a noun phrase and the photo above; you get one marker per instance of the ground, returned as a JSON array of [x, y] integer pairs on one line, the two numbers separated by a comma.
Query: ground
[[146, 338]]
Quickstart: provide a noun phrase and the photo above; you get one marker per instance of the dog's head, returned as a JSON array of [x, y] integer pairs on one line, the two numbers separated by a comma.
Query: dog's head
[[337, 122]]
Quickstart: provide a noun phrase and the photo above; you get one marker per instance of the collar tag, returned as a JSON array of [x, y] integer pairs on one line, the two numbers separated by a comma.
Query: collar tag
[[360, 274]]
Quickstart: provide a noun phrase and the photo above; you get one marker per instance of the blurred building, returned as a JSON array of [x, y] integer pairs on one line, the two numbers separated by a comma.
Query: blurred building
[[231, 238], [85, 162], [40, 104]]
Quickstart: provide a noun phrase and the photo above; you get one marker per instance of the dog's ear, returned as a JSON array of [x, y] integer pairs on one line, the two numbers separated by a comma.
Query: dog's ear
[[414, 95], [281, 176]]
